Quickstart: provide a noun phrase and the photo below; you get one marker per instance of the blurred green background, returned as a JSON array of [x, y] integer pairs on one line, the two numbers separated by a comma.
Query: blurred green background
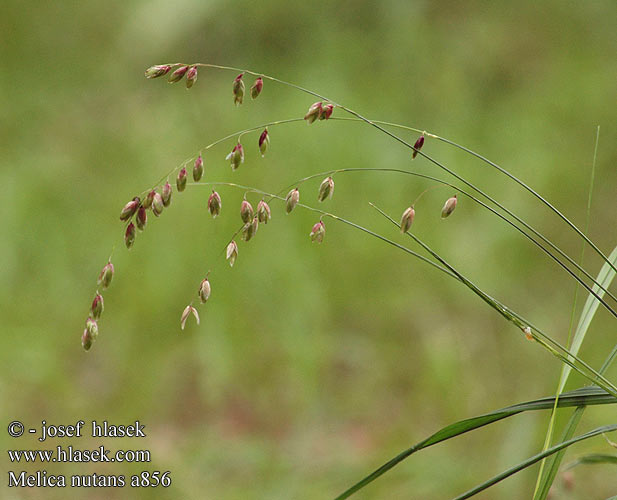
[[313, 364]]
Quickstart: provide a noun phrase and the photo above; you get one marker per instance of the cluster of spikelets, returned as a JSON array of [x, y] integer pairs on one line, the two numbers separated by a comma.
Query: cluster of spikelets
[[91, 331], [135, 212], [410, 213]]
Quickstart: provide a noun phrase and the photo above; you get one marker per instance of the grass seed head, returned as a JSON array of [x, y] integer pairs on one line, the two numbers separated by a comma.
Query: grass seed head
[[449, 207], [246, 211], [158, 70], [264, 142], [250, 229], [291, 200], [326, 189], [129, 235], [263, 212], [204, 291], [198, 168], [129, 209], [214, 204], [191, 76], [157, 204], [407, 219], [318, 232], [181, 180], [417, 146], [93, 328], [147, 203], [97, 306], [106, 275], [86, 340], [238, 89], [188, 310], [327, 111], [177, 75], [314, 112], [256, 88], [166, 194], [141, 218], [232, 253], [236, 157]]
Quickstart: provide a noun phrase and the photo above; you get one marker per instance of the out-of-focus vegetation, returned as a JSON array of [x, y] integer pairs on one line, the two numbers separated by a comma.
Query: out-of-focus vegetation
[[313, 363]]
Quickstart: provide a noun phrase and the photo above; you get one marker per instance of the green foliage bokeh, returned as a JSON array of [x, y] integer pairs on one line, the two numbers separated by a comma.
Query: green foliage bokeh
[[313, 363]]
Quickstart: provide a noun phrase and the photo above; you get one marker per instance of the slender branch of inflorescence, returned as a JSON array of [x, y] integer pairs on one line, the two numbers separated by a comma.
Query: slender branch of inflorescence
[[554, 347], [519, 220], [378, 125], [523, 324]]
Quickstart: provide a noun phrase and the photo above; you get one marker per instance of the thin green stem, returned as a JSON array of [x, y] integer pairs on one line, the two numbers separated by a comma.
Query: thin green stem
[[484, 205], [376, 124], [522, 323], [323, 213], [538, 234], [570, 260], [562, 378], [535, 459]]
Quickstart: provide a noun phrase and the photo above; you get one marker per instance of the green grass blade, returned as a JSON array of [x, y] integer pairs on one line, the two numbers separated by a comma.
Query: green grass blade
[[539, 336], [553, 462], [532, 460], [565, 370], [605, 278], [584, 396]]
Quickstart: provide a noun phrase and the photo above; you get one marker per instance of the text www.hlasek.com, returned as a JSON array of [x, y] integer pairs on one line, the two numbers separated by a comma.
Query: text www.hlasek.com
[[72, 455]]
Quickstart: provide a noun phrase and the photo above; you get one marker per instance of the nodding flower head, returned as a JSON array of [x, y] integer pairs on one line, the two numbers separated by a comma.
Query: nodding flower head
[[264, 142], [157, 204], [191, 76], [292, 199], [198, 168], [106, 275], [232, 253], [263, 212], [407, 219], [327, 111], [246, 211], [93, 328], [129, 209], [156, 71], [256, 88], [236, 157], [204, 291], [129, 235], [181, 180], [177, 75], [166, 193], [238, 89], [318, 232], [188, 310], [314, 112], [147, 203], [326, 189], [250, 228], [141, 218], [449, 207], [214, 204], [417, 146], [97, 306], [86, 340]]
